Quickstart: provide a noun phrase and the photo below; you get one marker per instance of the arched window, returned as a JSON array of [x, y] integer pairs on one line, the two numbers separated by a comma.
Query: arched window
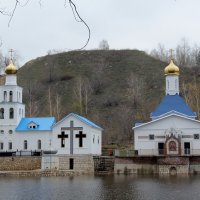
[[1, 113], [25, 145], [10, 96], [9, 145], [39, 144], [10, 132], [11, 113], [2, 131], [5, 96]]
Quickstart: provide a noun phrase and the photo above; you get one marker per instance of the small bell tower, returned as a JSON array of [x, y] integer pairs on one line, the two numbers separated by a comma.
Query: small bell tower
[[172, 78]]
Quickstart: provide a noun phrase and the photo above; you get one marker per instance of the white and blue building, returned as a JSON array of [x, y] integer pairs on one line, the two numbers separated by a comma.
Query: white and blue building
[[73, 135], [173, 129]]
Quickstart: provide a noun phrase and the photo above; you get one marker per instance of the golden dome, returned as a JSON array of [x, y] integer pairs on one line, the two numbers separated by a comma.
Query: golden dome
[[11, 68], [171, 69]]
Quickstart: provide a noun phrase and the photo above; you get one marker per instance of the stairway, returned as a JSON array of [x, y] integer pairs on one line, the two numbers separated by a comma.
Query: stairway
[[104, 164]]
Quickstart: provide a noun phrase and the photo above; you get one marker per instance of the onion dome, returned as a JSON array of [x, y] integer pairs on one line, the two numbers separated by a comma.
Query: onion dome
[[11, 68], [171, 69]]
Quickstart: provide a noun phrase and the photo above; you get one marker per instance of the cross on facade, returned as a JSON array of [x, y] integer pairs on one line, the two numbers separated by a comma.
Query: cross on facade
[[72, 129], [62, 136], [80, 136], [11, 54]]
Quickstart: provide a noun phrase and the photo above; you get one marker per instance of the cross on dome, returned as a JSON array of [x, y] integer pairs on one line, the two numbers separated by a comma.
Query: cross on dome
[[11, 51]]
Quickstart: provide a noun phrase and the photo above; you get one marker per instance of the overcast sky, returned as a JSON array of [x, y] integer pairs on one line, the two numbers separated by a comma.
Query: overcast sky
[[125, 24]]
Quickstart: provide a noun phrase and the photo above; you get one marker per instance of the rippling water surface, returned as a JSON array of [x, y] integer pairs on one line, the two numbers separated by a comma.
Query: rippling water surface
[[101, 188]]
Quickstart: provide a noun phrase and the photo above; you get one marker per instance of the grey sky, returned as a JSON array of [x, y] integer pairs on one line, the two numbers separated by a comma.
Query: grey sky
[[125, 24]]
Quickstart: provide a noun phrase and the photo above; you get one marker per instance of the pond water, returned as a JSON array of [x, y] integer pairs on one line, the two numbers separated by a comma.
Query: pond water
[[100, 188]]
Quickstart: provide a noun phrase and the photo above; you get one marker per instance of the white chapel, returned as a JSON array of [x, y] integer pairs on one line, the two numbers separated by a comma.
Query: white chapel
[[73, 135], [173, 129]]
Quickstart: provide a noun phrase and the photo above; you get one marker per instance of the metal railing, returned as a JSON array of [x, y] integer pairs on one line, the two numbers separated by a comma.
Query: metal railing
[[160, 152]]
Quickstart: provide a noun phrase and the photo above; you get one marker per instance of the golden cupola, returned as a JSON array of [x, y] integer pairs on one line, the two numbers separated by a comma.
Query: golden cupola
[[11, 68], [171, 69]]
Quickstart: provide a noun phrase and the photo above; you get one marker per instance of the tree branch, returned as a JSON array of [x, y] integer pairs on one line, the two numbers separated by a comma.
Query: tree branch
[[76, 14]]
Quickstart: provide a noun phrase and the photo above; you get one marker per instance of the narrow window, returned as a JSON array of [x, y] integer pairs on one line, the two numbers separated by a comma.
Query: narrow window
[[93, 139], [10, 96], [11, 114], [1, 145], [98, 139], [5, 95], [9, 145], [39, 144], [176, 84], [2, 113], [25, 145]]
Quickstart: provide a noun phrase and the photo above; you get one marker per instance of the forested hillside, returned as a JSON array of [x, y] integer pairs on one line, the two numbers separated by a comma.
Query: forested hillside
[[113, 88]]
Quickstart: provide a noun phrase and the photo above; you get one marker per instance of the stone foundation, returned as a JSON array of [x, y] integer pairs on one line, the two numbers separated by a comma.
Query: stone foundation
[[157, 165], [81, 163], [20, 163]]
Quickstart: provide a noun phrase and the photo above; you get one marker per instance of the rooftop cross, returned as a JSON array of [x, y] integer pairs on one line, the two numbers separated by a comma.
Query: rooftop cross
[[171, 54], [11, 54]]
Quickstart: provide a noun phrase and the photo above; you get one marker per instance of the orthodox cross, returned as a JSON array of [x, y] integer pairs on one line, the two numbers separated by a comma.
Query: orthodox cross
[[72, 129], [171, 54], [11, 54], [80, 136], [62, 136]]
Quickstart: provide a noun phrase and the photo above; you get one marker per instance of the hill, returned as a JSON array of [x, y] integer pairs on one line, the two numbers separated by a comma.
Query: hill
[[114, 88]]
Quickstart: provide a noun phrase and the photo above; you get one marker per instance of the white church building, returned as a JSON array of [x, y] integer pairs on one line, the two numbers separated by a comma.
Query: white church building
[[73, 135], [173, 129]]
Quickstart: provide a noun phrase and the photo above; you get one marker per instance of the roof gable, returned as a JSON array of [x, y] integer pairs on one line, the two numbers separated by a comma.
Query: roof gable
[[173, 103], [83, 119], [166, 117], [41, 124]]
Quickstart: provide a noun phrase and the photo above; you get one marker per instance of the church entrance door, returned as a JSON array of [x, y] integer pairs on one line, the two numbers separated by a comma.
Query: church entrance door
[[71, 163], [187, 148]]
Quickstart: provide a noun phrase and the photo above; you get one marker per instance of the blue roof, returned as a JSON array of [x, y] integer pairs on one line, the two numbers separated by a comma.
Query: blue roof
[[173, 103], [83, 119], [42, 124], [87, 121]]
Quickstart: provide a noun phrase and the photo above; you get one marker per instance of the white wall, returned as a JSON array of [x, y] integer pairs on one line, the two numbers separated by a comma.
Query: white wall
[[88, 146], [184, 127]]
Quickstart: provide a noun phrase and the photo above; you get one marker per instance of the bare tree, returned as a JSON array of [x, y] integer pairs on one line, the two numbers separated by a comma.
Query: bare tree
[[135, 89], [58, 106], [160, 53], [183, 53], [82, 92], [103, 45], [32, 102], [78, 94], [50, 102], [16, 3]]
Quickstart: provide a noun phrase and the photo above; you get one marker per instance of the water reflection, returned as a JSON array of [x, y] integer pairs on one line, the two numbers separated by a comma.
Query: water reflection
[[101, 188]]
